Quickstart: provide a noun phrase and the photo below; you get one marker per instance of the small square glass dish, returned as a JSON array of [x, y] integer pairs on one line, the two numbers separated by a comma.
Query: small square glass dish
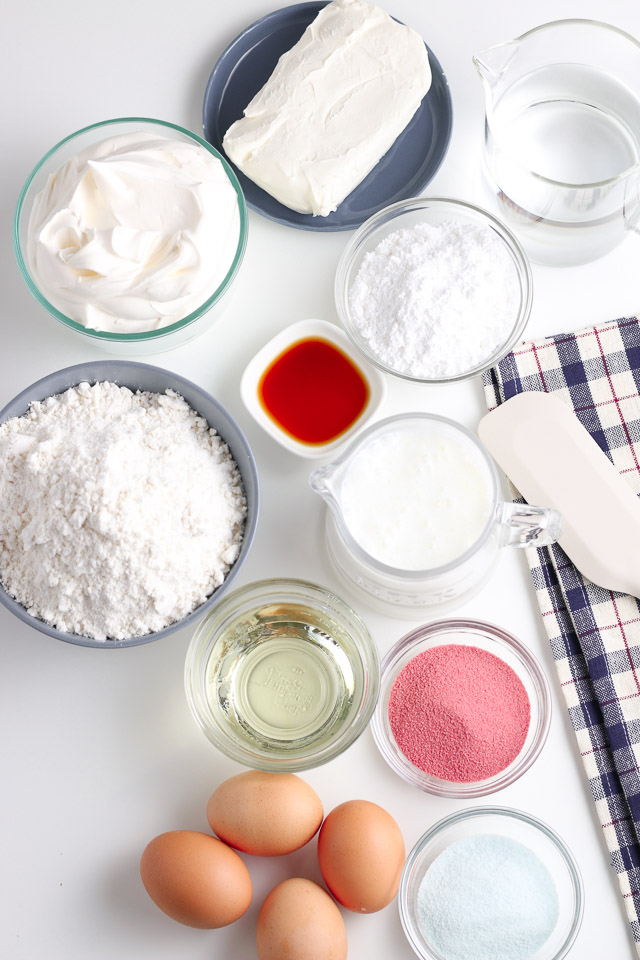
[[494, 877], [310, 390]]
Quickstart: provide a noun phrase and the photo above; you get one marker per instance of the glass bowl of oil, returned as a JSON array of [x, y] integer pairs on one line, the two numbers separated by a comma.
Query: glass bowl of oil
[[282, 676]]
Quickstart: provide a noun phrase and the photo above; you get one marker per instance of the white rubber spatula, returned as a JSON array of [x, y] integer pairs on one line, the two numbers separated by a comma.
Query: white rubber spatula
[[552, 460]]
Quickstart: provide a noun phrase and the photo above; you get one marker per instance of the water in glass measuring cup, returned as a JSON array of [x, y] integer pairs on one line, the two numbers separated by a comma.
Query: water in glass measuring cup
[[562, 138]]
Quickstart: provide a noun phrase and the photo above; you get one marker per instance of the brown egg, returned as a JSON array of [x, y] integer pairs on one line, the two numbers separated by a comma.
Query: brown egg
[[361, 855], [265, 814], [195, 879], [300, 921]]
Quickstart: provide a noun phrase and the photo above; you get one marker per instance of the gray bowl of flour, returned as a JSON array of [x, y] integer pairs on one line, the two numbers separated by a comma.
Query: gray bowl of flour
[[152, 380]]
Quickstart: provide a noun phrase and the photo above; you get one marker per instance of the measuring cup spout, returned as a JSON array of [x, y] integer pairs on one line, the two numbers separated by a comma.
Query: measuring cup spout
[[320, 482], [493, 63]]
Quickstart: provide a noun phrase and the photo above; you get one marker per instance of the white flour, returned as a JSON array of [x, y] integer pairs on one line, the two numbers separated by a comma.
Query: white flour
[[119, 512], [436, 300]]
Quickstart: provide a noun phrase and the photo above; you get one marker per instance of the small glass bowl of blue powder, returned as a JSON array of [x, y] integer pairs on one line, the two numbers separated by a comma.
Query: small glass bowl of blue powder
[[491, 883]]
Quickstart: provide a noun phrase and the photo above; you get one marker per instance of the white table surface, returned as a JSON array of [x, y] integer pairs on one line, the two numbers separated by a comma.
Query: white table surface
[[99, 751]]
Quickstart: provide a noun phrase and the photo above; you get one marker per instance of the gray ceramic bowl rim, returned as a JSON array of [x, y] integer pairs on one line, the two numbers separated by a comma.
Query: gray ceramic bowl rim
[[81, 372]]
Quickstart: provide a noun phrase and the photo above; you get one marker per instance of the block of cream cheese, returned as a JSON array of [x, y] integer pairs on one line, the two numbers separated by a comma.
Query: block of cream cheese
[[332, 107]]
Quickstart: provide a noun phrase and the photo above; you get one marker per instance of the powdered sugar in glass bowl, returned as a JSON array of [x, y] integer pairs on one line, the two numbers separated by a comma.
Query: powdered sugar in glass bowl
[[467, 721], [433, 289]]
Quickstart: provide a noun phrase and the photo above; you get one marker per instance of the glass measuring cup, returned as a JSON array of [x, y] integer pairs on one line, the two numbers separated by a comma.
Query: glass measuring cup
[[562, 138], [448, 486]]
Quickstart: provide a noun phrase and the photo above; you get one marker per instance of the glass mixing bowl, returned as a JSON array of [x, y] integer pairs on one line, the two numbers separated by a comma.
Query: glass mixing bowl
[[150, 341], [500, 643], [517, 826], [283, 675], [407, 214]]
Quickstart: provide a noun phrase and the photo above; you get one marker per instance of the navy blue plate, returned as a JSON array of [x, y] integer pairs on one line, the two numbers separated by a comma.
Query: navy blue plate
[[403, 172]]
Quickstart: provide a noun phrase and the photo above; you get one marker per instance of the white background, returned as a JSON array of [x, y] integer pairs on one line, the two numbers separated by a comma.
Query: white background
[[99, 751]]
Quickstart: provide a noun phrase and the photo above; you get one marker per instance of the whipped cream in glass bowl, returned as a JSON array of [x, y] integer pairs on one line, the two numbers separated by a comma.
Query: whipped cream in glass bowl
[[131, 232]]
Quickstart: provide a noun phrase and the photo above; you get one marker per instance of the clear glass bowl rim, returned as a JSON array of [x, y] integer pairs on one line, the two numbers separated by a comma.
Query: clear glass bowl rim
[[571, 23], [525, 759], [267, 592], [472, 813], [393, 212], [147, 334]]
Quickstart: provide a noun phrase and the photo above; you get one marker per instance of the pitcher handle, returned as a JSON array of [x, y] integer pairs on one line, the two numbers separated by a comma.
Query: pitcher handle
[[632, 205], [523, 525]]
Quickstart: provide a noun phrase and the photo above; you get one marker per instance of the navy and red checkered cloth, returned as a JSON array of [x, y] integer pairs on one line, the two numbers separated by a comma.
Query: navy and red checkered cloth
[[594, 633]]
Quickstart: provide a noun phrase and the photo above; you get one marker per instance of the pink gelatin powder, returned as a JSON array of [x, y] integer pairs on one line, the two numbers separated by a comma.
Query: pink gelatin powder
[[459, 713]]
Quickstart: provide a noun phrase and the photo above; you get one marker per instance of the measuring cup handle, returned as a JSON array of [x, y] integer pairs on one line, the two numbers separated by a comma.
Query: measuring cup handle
[[632, 205], [523, 525]]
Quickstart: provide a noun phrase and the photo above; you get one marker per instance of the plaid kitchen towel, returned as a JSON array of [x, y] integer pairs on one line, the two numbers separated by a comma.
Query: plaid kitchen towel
[[594, 633]]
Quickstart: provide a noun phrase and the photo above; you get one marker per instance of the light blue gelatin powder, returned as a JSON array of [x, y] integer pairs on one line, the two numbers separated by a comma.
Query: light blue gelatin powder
[[487, 897]]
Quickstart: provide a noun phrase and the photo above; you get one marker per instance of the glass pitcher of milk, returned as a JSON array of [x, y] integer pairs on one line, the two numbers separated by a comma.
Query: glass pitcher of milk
[[562, 138], [415, 517]]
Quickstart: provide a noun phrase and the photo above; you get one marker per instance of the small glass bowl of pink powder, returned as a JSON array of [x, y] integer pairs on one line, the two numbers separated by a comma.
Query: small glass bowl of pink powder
[[464, 708]]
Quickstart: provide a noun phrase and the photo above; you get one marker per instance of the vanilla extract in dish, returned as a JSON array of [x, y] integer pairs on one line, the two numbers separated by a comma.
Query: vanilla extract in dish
[[313, 391]]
